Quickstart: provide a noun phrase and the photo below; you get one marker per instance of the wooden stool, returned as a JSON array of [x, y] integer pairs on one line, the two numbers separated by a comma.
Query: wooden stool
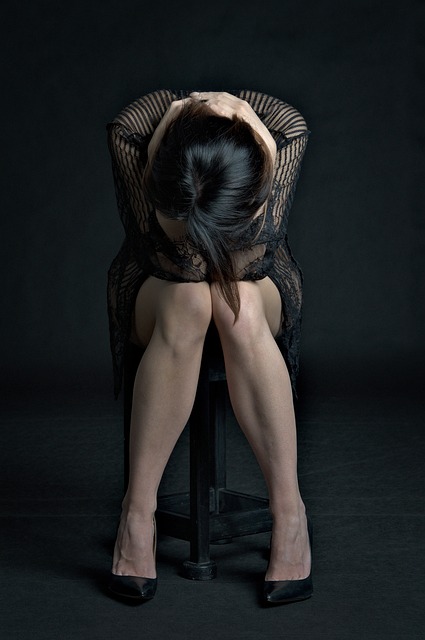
[[209, 512]]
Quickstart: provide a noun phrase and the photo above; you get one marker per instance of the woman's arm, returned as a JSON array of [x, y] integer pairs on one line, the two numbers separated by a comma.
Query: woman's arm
[[228, 105], [282, 119], [129, 136], [170, 115]]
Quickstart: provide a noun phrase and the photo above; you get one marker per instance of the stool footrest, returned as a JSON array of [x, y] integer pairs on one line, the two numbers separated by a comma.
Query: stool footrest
[[239, 514]]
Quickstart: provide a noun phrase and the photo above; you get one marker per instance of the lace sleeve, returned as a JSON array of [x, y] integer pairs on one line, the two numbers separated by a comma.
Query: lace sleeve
[[288, 165], [289, 129], [129, 154], [281, 119], [129, 135]]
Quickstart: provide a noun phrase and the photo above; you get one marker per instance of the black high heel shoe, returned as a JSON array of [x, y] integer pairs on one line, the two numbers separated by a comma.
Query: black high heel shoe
[[135, 587], [285, 591]]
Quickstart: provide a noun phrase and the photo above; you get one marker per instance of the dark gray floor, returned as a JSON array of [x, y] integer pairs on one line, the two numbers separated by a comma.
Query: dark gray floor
[[361, 474]]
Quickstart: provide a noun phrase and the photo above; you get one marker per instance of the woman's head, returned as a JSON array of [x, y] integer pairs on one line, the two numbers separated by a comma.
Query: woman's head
[[215, 174]]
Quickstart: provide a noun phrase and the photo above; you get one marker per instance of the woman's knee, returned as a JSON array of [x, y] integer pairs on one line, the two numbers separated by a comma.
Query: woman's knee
[[178, 312], [184, 312], [251, 320]]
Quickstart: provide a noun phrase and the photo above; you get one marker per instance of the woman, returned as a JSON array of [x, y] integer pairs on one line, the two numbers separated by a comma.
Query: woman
[[204, 185]]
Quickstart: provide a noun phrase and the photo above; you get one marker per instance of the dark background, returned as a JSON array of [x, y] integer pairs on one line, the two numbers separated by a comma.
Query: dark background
[[356, 226], [355, 70]]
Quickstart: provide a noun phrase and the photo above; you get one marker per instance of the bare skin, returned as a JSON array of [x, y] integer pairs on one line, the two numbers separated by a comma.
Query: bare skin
[[171, 320], [164, 392]]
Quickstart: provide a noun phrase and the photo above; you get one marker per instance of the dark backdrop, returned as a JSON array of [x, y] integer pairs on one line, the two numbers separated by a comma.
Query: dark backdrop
[[356, 228]]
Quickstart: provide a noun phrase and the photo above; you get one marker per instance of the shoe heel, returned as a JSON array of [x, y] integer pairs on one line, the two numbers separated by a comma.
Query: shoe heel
[[286, 591], [137, 588]]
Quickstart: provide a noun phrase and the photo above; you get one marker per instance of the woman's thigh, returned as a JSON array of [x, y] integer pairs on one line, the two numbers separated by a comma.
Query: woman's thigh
[[170, 303]]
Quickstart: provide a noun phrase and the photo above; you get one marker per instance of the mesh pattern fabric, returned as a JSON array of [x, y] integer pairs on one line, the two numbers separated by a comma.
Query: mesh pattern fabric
[[262, 251]]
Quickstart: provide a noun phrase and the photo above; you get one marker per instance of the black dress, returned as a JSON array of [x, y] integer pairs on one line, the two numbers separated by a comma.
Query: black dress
[[146, 250]]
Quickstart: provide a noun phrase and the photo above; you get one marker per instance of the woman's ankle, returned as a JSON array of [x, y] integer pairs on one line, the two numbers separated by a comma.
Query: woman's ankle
[[135, 510], [288, 511]]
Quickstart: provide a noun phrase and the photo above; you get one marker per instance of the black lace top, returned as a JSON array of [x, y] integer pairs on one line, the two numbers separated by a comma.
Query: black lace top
[[147, 250]]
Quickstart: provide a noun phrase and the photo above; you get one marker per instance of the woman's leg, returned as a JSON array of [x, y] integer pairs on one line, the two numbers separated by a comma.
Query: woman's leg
[[261, 396], [172, 320]]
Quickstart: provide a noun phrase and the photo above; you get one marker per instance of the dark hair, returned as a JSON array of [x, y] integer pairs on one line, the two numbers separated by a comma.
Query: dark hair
[[214, 173]]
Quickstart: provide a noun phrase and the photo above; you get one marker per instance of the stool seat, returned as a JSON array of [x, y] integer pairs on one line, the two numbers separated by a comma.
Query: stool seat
[[209, 512]]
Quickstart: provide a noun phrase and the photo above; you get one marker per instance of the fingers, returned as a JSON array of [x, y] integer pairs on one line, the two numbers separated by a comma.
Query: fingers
[[176, 105], [209, 95], [224, 104], [218, 98]]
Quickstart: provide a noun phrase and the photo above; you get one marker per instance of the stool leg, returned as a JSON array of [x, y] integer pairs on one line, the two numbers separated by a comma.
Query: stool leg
[[218, 437], [200, 566], [218, 412]]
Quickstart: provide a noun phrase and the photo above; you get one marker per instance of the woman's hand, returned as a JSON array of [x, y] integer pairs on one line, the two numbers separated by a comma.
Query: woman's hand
[[228, 105], [223, 104]]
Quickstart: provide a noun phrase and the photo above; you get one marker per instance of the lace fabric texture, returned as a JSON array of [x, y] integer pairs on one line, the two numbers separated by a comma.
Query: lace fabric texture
[[262, 251]]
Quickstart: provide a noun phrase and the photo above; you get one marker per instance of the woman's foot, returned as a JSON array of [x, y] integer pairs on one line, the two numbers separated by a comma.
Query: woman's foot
[[290, 553], [134, 553]]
